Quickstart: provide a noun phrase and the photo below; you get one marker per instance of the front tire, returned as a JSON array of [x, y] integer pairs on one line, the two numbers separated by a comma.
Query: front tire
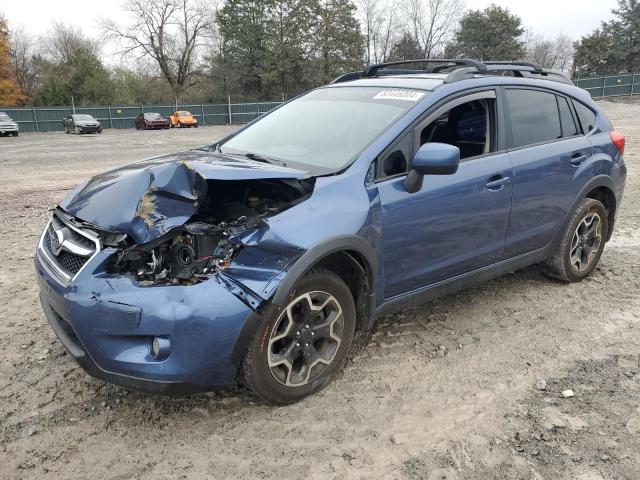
[[300, 349], [582, 243]]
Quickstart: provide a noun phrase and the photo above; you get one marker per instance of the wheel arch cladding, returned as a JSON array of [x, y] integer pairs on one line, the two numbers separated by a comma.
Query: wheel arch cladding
[[352, 259], [605, 196], [604, 182]]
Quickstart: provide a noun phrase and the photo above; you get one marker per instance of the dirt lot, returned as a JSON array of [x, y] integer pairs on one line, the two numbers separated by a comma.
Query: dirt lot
[[443, 391]]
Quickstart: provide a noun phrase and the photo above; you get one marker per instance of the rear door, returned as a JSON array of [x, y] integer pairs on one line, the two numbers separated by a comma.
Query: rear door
[[549, 155]]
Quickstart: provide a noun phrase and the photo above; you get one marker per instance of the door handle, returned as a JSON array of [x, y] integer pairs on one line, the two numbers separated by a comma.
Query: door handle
[[577, 159], [497, 184]]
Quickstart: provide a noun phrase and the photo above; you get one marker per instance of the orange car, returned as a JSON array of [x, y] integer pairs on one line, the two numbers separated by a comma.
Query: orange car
[[182, 118]]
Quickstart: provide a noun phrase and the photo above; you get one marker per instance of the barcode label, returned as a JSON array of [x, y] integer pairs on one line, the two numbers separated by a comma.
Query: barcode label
[[408, 95]]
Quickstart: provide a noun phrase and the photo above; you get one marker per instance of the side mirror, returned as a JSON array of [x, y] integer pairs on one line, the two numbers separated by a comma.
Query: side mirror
[[432, 159]]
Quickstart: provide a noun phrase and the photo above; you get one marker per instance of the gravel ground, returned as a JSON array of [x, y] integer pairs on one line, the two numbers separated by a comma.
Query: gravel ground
[[442, 391]]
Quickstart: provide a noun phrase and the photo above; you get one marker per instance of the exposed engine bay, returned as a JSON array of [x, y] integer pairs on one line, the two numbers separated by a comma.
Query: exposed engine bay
[[205, 244]]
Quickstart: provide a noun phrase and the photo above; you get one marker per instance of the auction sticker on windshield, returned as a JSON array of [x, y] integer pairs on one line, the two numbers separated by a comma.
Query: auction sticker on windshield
[[409, 95]]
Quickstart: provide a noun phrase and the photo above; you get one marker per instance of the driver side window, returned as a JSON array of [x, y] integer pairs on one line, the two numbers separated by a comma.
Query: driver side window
[[468, 126]]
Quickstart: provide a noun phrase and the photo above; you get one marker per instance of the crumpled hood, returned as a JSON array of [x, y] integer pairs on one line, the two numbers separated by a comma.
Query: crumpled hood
[[147, 199]]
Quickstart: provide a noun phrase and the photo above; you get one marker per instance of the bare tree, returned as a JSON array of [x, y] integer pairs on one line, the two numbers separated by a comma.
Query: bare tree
[[549, 52], [379, 22], [23, 60], [170, 32], [431, 23], [62, 42]]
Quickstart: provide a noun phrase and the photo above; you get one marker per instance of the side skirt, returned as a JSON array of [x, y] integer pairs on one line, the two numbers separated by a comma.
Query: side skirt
[[445, 287]]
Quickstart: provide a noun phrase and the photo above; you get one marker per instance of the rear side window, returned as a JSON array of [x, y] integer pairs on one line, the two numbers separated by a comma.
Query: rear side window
[[569, 127], [586, 116], [534, 117]]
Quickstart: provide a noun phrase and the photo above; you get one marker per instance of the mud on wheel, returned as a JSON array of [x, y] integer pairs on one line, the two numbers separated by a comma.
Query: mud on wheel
[[582, 243], [298, 351]]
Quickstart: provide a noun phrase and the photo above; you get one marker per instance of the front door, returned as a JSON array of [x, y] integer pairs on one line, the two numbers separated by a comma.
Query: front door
[[455, 223]]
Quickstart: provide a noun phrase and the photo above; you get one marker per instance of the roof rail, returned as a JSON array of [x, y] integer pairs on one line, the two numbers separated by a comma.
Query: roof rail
[[519, 63], [519, 69], [373, 70], [466, 68]]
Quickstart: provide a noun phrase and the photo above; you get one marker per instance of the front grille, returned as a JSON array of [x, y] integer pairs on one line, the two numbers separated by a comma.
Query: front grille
[[72, 253], [69, 262]]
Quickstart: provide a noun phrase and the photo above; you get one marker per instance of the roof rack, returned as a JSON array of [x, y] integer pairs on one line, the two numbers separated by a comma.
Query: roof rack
[[519, 63], [466, 68], [373, 70]]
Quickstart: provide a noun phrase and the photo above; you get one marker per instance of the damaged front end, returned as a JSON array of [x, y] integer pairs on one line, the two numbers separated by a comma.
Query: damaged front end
[[178, 220], [210, 240]]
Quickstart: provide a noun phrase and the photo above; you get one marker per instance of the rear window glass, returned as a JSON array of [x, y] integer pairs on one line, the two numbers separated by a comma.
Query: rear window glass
[[534, 117], [586, 116], [569, 127]]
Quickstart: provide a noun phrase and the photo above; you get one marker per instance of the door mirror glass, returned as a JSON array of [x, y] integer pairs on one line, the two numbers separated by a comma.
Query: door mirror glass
[[432, 159]]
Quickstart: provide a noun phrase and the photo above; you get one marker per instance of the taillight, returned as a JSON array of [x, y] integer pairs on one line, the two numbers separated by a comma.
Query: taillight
[[618, 140]]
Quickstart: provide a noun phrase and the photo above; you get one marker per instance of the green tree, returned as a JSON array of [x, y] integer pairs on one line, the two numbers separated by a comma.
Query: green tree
[[490, 34], [243, 44], [594, 53], [82, 76], [287, 28], [338, 45], [406, 48], [615, 46]]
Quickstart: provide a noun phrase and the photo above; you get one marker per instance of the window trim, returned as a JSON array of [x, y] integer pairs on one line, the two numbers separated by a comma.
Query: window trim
[[417, 130], [444, 105], [574, 115], [595, 114]]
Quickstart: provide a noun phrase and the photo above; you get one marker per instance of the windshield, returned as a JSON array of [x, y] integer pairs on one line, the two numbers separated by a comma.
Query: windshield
[[83, 118], [152, 116], [4, 116], [325, 128], [184, 113]]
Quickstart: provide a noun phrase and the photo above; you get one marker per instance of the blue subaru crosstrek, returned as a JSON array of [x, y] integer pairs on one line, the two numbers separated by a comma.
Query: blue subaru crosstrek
[[256, 260]]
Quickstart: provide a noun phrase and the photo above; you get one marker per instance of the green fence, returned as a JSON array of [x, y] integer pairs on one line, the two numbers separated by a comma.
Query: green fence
[[611, 85], [48, 119]]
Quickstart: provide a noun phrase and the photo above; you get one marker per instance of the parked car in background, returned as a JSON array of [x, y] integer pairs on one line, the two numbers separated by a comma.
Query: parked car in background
[[81, 123], [151, 120], [7, 126], [182, 118], [257, 258]]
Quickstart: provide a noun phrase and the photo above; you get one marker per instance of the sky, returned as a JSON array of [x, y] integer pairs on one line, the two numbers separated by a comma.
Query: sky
[[548, 17]]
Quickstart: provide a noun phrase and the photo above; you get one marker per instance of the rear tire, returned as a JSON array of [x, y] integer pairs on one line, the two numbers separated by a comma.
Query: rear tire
[[582, 243], [300, 348]]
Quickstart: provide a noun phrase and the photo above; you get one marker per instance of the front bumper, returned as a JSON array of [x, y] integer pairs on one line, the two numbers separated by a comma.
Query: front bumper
[[8, 128], [89, 128], [107, 324]]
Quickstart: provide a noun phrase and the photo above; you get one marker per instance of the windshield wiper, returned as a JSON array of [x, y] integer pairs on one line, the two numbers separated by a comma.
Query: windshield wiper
[[260, 158]]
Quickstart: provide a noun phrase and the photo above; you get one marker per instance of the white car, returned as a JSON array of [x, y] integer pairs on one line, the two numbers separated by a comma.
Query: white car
[[8, 126]]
